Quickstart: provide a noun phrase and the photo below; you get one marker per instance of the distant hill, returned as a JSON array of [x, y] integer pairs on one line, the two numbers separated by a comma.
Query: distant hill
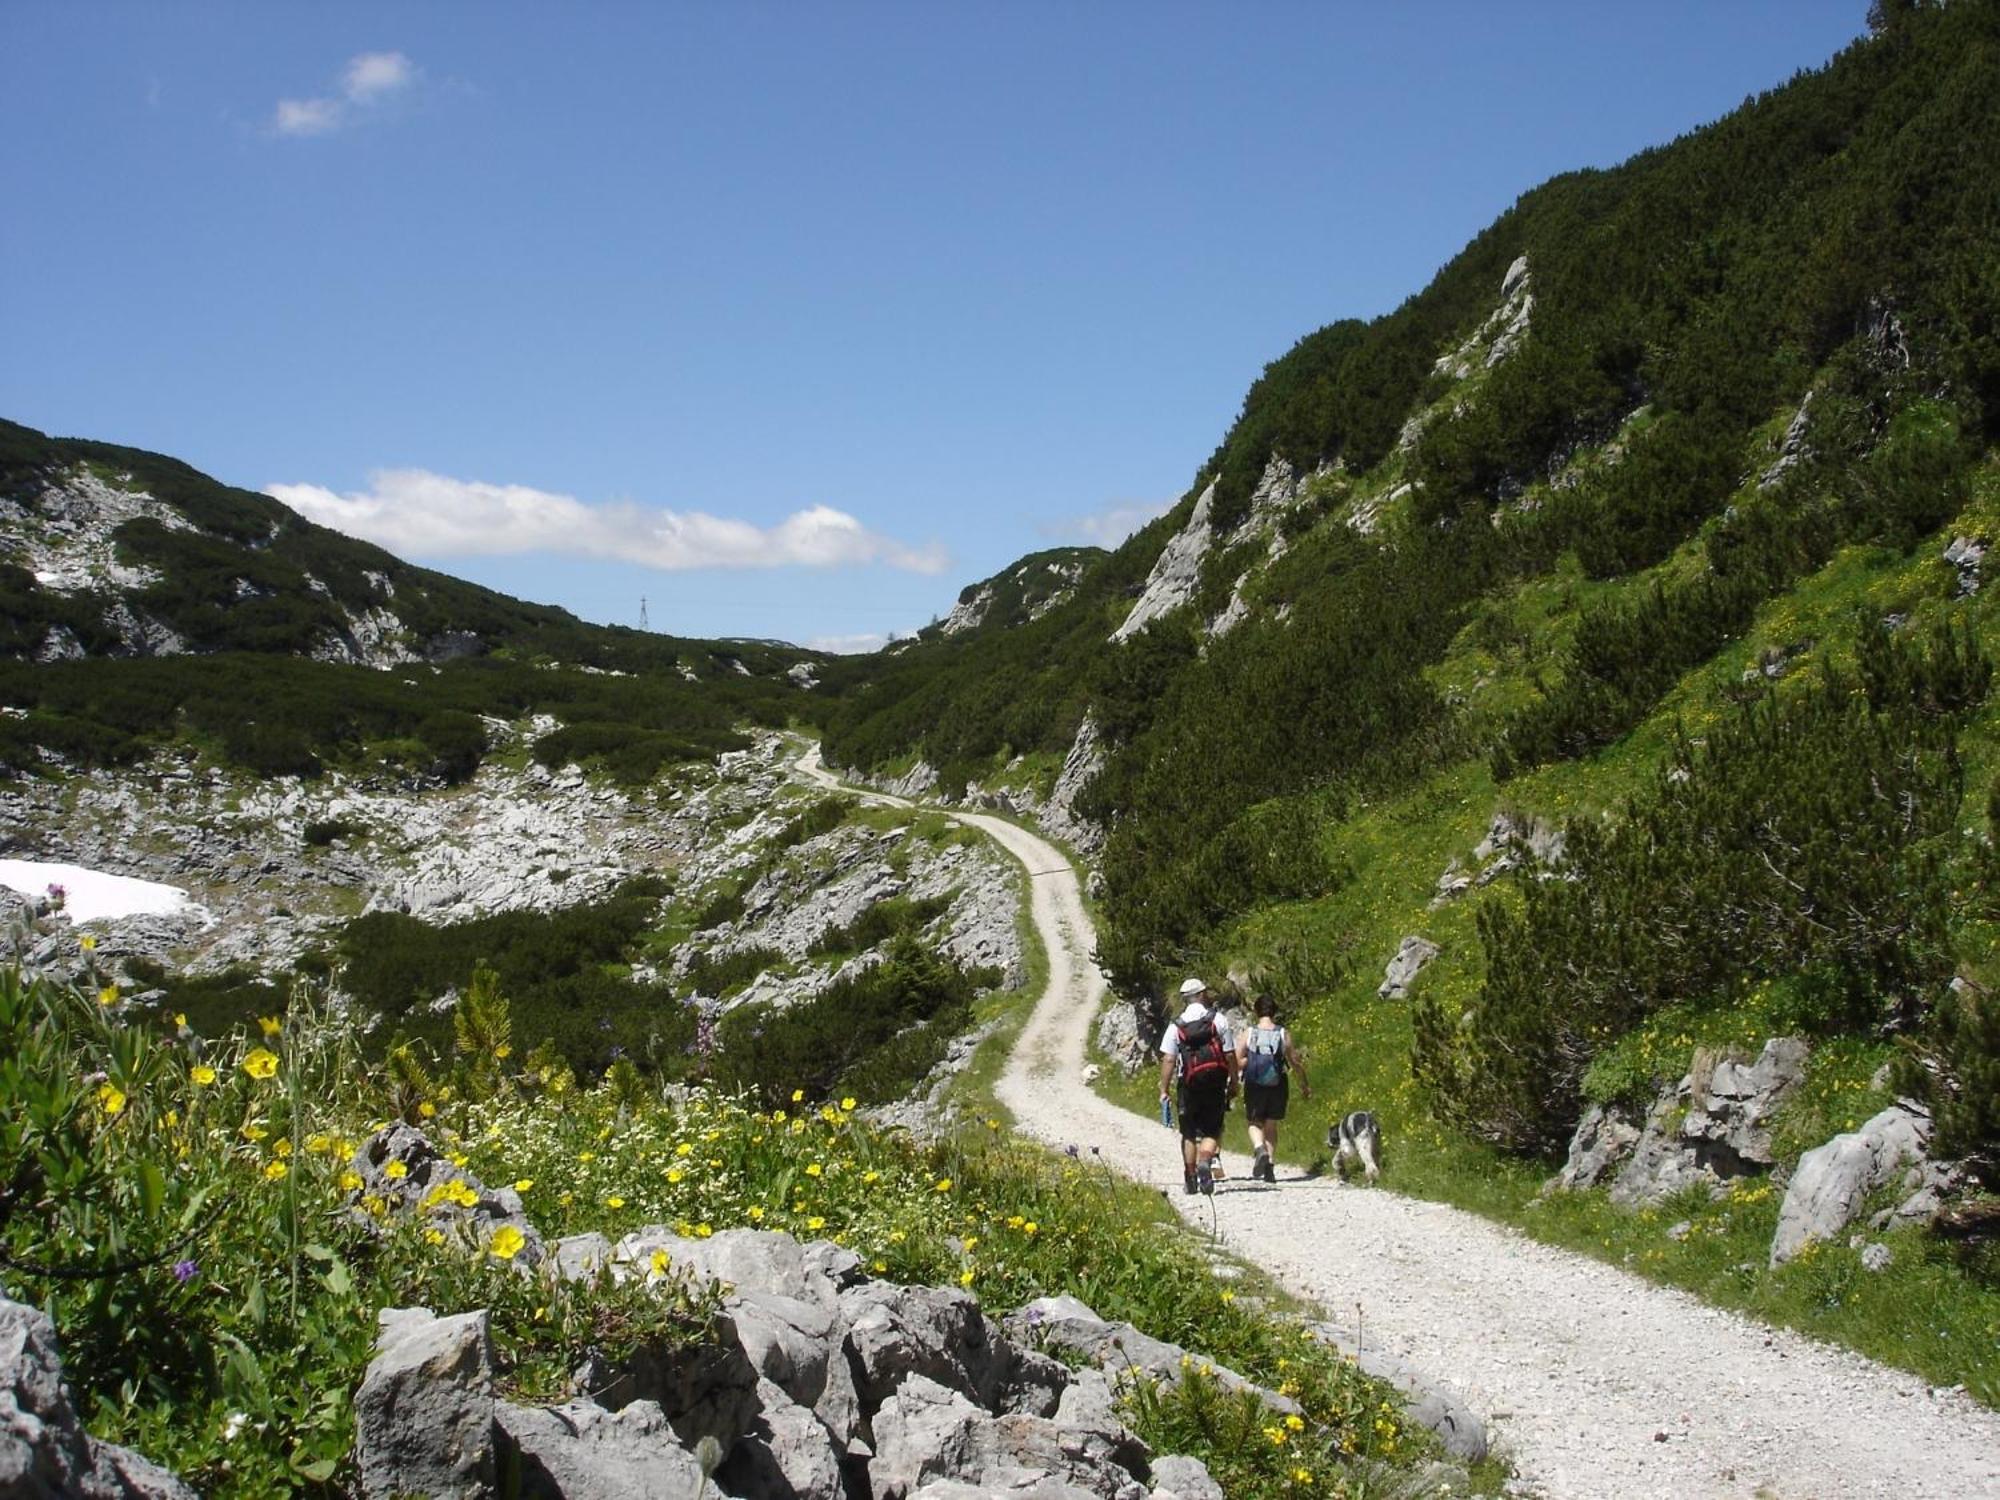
[[143, 602]]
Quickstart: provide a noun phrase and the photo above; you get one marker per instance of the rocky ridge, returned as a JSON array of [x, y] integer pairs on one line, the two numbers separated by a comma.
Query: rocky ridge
[[274, 868]]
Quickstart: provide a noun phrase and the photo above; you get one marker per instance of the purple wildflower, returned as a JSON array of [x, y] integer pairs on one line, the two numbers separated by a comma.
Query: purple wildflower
[[186, 1271], [1070, 1151]]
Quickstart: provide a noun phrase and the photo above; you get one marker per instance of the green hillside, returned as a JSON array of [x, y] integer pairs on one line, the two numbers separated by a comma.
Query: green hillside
[[1630, 525]]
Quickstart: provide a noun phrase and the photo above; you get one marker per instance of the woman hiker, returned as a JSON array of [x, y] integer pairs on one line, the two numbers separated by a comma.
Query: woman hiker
[[1263, 1053]]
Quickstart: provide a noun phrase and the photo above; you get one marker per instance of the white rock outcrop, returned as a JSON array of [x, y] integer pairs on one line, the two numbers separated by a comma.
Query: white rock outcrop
[[1833, 1181], [1176, 572]]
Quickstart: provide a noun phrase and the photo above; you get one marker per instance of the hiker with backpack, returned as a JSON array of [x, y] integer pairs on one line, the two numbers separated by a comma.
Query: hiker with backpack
[[1263, 1054], [1198, 1057]]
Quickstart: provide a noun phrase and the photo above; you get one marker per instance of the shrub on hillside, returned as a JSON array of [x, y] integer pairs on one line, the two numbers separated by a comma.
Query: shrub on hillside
[[1803, 838]]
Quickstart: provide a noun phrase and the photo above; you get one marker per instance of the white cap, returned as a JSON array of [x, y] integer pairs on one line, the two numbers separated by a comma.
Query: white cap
[[1193, 987]]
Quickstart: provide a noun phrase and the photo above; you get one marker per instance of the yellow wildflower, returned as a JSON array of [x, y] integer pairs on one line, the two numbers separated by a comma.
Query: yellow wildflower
[[871, 1176], [111, 1099], [816, 1222], [966, 1276], [269, 1025], [260, 1063], [503, 1052], [661, 1260], [674, 1174], [173, 1118], [683, 1149], [522, 1184], [756, 1213], [426, 1109], [614, 1201], [1295, 1423], [396, 1171], [703, 1231], [813, 1169], [506, 1242], [318, 1143], [349, 1181], [202, 1074], [282, 1146], [797, 1095], [254, 1132], [275, 1172], [180, 1018], [433, 1236], [1031, 1227], [847, 1104], [944, 1185], [108, 995], [87, 943]]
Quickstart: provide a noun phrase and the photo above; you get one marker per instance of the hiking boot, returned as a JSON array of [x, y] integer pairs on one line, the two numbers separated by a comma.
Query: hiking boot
[[1187, 1178], [1260, 1167], [1204, 1180]]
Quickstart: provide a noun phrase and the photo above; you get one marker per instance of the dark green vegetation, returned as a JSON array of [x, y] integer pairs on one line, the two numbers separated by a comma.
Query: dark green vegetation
[[565, 976], [1664, 578]]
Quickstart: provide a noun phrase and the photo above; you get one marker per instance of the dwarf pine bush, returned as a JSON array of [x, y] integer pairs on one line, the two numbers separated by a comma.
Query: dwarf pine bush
[[1802, 837]]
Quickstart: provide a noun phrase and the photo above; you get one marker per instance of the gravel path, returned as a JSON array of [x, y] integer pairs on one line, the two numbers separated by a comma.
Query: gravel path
[[1595, 1383]]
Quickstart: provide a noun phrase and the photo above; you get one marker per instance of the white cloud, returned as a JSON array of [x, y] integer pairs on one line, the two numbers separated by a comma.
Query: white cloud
[[421, 514], [307, 116], [848, 645], [374, 74], [368, 79], [1108, 527]]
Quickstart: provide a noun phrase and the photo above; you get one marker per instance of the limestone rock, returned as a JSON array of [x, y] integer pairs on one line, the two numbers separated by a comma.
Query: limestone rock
[[1709, 1127], [1429, 1402], [423, 1416], [927, 1432], [1604, 1138], [580, 1450], [1731, 1106], [939, 1333], [1118, 1037], [1965, 554], [1067, 1323], [785, 1453], [1184, 1478], [1833, 1179], [1081, 765], [45, 1453], [1176, 572], [1409, 961]]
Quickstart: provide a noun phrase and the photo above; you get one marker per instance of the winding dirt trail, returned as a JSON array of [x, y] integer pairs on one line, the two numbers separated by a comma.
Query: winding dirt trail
[[1595, 1383]]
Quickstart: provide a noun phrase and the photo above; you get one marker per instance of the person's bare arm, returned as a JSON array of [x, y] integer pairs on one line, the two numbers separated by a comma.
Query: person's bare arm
[[1166, 1073], [1298, 1062]]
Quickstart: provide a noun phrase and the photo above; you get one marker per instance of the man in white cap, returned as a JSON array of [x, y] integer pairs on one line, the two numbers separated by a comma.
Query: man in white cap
[[1198, 1054]]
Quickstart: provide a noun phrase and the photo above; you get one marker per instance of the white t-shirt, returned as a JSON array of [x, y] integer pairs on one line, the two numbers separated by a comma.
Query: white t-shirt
[[1170, 1044]]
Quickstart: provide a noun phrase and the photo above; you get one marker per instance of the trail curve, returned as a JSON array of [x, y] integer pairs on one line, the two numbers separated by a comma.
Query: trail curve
[[1598, 1385]]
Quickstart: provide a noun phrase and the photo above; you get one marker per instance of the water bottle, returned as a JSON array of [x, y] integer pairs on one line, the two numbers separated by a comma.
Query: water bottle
[[1166, 1112]]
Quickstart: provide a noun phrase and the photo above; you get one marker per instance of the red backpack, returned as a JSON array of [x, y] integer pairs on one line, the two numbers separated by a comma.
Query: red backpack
[[1203, 1064]]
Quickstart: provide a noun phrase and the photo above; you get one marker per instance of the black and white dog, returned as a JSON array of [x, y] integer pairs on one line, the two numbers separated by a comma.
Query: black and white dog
[[1356, 1135]]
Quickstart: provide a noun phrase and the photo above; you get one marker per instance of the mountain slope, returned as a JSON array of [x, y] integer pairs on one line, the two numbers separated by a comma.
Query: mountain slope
[[1632, 520]]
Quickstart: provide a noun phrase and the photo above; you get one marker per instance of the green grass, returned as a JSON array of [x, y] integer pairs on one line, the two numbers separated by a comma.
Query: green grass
[[242, 1175], [1358, 1045]]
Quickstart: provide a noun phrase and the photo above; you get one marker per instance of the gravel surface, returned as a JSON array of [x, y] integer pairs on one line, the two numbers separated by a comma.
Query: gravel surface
[[1594, 1383]]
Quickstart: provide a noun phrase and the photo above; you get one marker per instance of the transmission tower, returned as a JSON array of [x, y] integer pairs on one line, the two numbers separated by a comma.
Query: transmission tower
[[642, 613]]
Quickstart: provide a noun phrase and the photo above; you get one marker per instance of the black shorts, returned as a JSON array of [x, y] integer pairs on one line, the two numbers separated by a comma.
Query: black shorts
[[1266, 1101], [1201, 1112]]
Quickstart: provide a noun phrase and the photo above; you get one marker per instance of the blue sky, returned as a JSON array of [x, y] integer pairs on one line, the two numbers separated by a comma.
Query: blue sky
[[790, 319]]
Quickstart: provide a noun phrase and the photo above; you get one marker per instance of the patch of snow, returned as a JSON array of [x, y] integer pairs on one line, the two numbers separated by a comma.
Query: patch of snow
[[92, 895]]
